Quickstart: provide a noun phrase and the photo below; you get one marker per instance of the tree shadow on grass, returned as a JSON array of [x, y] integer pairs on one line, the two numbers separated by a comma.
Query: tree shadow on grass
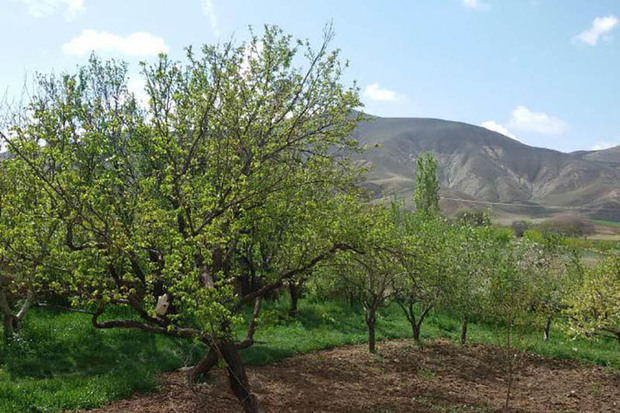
[[55, 344]]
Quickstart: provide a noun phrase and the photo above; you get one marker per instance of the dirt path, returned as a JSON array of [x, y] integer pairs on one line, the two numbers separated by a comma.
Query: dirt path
[[440, 377]]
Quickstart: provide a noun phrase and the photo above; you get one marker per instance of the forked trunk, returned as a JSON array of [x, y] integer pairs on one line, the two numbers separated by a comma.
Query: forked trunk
[[416, 325], [10, 321], [238, 378], [202, 368]]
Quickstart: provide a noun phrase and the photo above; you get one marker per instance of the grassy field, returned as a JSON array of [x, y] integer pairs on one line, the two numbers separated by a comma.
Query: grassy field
[[613, 224], [61, 362]]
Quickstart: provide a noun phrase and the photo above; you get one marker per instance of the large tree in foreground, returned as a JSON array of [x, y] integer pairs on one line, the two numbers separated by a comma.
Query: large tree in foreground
[[234, 166]]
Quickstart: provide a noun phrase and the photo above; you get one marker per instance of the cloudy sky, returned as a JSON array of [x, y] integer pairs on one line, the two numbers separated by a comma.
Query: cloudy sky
[[541, 71]]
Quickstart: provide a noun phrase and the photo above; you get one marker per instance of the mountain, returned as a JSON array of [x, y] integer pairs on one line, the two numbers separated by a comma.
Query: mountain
[[611, 155], [484, 169]]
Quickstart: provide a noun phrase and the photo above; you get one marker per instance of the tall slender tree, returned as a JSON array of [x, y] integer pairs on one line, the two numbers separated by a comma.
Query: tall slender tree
[[426, 192]]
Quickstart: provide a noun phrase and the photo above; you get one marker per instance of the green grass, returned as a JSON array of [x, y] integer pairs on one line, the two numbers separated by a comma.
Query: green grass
[[61, 362]]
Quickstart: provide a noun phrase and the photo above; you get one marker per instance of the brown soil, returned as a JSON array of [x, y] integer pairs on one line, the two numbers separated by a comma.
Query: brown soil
[[439, 377]]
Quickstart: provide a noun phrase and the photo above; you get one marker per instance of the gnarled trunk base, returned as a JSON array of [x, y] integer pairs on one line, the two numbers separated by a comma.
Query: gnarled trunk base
[[202, 368], [238, 379]]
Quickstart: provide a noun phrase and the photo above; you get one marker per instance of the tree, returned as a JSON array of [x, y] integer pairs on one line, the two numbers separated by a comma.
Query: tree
[[568, 226], [426, 192], [369, 269], [27, 229], [424, 262], [593, 308], [554, 271], [423, 238], [520, 227], [473, 217], [510, 296], [471, 261], [157, 205]]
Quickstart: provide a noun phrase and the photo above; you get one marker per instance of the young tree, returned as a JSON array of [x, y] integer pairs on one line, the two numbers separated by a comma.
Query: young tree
[[423, 236], [554, 272], [370, 268], [509, 300], [155, 204], [424, 262], [471, 263]]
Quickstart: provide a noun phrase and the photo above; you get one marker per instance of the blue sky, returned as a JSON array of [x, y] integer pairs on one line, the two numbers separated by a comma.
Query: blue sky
[[542, 71]]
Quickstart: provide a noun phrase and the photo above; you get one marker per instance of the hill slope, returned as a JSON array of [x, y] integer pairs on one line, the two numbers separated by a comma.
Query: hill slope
[[481, 165]]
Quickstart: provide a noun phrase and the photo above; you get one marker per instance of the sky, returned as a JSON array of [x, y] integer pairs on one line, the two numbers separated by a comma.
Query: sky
[[544, 72]]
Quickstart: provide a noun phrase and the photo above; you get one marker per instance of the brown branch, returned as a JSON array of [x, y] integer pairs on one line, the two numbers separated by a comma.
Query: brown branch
[[249, 340], [170, 330], [290, 274], [25, 306]]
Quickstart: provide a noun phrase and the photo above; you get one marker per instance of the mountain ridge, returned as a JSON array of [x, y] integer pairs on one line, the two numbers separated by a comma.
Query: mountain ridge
[[477, 164]]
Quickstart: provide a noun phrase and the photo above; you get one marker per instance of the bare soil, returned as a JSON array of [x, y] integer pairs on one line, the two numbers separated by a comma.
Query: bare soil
[[439, 377]]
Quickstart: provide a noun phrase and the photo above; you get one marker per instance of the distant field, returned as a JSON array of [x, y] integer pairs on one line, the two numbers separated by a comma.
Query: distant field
[[614, 224]]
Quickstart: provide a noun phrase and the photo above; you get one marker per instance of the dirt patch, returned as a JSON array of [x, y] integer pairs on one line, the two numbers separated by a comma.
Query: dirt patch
[[440, 376]]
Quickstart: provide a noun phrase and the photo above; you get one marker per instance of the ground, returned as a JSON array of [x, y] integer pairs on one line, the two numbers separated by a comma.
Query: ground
[[441, 376]]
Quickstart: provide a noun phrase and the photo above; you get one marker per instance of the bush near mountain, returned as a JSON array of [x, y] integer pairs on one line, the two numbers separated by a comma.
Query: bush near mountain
[[484, 169]]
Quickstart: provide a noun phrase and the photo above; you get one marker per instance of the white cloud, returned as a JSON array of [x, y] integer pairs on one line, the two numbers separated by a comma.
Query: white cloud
[[476, 4], [135, 44], [598, 146], [496, 127], [251, 52], [208, 9], [136, 85], [41, 8], [601, 27], [523, 119], [379, 94]]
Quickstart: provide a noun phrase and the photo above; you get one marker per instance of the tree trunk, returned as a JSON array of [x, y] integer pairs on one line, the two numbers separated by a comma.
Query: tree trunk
[[245, 284], [547, 328], [238, 377], [8, 320], [295, 292], [511, 366], [464, 331], [203, 366], [416, 332], [8, 323], [370, 322], [417, 325]]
